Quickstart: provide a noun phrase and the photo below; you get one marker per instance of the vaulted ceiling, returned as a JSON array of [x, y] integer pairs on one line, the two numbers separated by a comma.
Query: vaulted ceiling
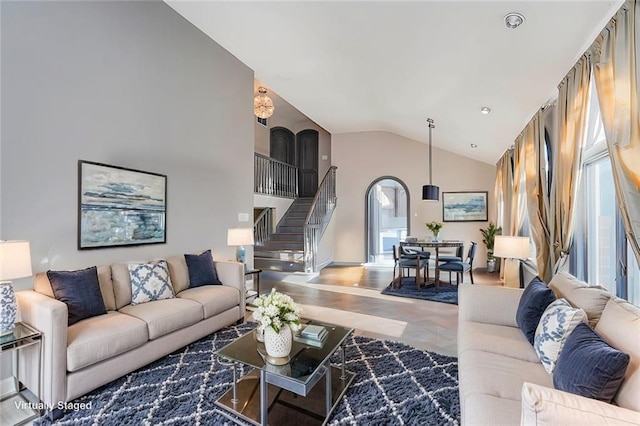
[[355, 66]]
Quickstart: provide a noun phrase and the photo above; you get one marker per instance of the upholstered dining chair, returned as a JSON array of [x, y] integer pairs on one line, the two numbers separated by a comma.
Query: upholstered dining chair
[[461, 267], [405, 260], [452, 258]]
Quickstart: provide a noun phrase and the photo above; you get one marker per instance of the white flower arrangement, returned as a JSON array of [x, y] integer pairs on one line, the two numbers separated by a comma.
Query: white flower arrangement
[[277, 310]]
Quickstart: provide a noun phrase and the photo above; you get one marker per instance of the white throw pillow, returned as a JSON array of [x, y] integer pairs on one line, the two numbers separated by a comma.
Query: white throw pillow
[[150, 281], [556, 323]]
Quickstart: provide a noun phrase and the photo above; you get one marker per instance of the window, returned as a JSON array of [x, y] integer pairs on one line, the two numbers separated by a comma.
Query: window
[[601, 254]]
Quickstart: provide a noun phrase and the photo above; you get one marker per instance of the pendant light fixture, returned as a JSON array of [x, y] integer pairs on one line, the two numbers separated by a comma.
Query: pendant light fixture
[[262, 104], [430, 192]]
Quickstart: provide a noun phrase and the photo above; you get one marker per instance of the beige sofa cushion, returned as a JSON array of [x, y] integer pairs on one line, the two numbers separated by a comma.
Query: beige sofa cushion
[[179, 273], [121, 284], [542, 406], [620, 327], [501, 376], [497, 339], [591, 299], [43, 286], [98, 338], [167, 315], [213, 298], [489, 410]]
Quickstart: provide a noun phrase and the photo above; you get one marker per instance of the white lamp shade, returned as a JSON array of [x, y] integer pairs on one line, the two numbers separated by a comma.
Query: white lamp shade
[[240, 237], [15, 260], [511, 247]]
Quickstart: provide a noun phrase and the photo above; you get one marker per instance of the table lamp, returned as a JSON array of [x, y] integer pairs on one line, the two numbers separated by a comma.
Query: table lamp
[[15, 262], [512, 249], [240, 237]]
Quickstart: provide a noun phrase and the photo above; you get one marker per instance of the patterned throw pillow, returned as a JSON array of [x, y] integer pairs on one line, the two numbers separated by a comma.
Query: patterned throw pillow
[[556, 324], [150, 281]]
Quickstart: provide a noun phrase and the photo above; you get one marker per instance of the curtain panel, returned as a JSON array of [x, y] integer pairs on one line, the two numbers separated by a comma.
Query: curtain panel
[[537, 190], [573, 106], [616, 73]]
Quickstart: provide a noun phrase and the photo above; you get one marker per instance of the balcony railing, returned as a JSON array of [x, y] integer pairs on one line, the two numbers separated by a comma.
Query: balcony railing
[[273, 177]]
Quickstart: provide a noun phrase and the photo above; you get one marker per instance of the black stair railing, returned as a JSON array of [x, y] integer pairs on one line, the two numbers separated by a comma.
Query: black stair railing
[[318, 218]]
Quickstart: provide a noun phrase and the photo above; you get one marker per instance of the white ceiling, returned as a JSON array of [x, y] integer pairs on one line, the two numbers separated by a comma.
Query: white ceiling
[[355, 66]]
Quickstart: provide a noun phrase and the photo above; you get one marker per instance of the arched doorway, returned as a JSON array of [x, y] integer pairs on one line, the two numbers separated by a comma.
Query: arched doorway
[[386, 218]]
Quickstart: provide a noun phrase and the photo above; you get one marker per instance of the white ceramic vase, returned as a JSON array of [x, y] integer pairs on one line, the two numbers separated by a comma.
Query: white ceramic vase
[[278, 345]]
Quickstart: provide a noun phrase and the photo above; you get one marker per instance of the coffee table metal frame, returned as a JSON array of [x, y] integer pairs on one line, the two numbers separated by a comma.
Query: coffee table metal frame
[[241, 400]]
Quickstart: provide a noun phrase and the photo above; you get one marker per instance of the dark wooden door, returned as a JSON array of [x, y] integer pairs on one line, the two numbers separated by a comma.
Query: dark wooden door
[[282, 145], [307, 148]]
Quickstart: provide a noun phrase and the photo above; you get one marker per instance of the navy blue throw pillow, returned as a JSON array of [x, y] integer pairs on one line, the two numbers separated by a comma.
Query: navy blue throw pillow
[[535, 299], [202, 271], [589, 366], [80, 291]]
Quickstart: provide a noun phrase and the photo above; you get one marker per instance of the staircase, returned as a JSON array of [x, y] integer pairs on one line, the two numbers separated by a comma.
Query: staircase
[[284, 251]]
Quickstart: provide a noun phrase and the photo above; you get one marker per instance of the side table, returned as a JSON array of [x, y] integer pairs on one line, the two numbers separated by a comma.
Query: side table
[[252, 294], [23, 336]]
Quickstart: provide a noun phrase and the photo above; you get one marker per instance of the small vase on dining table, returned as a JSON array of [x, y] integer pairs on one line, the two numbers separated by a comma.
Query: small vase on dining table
[[435, 237]]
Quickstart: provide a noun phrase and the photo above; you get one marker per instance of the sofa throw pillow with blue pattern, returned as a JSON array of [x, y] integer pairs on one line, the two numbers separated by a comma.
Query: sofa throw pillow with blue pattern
[[150, 281], [556, 324]]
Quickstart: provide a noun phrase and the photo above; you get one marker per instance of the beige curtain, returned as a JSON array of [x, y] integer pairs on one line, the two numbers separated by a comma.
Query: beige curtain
[[519, 199], [573, 103], [537, 191], [616, 74], [503, 190]]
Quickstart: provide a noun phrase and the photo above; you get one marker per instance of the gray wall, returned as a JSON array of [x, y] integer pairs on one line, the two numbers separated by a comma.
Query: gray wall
[[125, 83]]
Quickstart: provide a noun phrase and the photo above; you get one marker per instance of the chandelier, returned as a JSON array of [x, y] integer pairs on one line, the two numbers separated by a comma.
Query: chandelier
[[262, 104]]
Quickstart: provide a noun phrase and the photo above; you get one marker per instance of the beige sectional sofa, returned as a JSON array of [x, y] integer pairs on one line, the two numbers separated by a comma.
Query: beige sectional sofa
[[97, 350], [502, 381]]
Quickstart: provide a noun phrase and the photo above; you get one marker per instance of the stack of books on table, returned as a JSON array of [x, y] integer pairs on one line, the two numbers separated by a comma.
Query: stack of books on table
[[313, 335]]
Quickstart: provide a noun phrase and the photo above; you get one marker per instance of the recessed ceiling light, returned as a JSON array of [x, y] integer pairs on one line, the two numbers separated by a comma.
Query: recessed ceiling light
[[513, 20], [473, 145], [485, 110]]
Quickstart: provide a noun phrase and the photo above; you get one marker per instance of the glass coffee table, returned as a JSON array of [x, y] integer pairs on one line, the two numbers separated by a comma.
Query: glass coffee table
[[272, 391]]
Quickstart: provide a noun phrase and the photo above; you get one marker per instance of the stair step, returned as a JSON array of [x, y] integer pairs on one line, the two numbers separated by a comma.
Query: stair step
[[289, 229], [284, 255], [283, 245], [277, 265], [287, 236]]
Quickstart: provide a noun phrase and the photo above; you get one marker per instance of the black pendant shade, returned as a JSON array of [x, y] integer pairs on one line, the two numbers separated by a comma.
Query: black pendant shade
[[430, 192]]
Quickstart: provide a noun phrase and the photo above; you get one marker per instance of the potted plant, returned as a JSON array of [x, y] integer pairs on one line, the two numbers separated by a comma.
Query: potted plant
[[278, 315], [489, 238], [435, 228]]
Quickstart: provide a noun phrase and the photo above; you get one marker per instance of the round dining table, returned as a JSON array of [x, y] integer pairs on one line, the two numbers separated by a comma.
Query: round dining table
[[436, 245]]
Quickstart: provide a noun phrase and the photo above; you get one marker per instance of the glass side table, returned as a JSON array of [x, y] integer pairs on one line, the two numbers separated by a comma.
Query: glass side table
[[22, 337]]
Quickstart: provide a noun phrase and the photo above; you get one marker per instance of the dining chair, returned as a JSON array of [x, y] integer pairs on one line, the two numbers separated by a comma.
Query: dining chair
[[461, 267], [407, 259], [452, 258]]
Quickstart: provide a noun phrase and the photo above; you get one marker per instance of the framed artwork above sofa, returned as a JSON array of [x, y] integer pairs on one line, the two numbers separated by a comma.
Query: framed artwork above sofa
[[118, 206]]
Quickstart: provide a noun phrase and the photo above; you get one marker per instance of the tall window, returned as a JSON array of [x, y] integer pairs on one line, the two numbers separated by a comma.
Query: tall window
[[601, 254]]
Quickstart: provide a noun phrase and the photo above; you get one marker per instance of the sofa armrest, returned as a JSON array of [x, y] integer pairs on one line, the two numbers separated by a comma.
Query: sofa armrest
[[488, 304], [232, 274], [546, 406], [49, 316]]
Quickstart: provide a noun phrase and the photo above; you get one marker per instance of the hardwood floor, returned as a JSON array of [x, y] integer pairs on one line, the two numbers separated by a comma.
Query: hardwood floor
[[350, 296]]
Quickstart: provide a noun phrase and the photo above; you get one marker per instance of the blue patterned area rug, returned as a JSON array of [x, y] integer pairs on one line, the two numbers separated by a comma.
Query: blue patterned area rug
[[446, 293], [395, 384]]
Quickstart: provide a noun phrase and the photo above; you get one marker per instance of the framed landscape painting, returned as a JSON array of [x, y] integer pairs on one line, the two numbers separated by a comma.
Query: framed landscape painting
[[464, 206], [119, 206]]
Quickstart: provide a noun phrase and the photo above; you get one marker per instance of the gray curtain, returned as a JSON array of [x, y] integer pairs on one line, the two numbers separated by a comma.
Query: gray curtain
[[616, 73]]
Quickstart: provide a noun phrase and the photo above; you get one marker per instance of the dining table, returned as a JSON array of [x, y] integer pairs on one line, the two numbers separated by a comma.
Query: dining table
[[436, 245]]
